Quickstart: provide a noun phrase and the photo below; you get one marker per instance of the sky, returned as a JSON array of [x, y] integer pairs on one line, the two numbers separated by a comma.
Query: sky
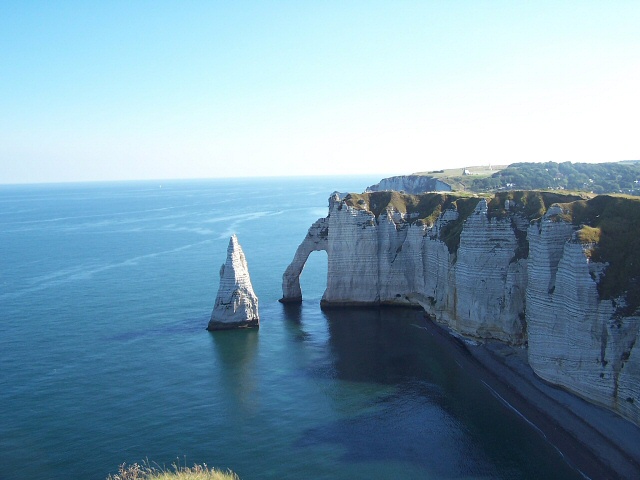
[[201, 89]]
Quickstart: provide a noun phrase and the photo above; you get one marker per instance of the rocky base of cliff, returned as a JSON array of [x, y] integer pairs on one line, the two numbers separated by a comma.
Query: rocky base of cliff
[[327, 305], [215, 325], [291, 300]]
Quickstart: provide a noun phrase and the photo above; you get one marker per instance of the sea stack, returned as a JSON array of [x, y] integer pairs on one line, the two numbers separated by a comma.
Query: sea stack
[[236, 304]]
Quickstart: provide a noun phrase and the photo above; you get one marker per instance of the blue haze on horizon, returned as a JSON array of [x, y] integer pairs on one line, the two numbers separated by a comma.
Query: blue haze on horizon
[[155, 90]]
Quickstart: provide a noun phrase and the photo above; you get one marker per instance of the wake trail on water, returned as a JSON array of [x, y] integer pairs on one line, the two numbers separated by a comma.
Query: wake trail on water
[[83, 272]]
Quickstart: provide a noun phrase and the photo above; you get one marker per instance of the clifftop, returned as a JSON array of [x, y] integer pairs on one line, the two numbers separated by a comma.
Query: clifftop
[[426, 207], [609, 225], [423, 208]]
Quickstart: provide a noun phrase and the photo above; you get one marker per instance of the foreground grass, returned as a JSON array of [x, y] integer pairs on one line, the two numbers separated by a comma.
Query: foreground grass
[[147, 472]]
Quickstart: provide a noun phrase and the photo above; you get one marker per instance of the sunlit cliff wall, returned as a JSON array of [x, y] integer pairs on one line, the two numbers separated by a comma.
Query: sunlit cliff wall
[[519, 267]]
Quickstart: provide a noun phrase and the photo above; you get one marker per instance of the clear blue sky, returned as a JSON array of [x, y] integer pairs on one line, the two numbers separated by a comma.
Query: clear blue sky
[[110, 90]]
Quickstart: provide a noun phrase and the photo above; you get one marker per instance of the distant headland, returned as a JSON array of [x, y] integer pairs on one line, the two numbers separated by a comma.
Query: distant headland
[[597, 178]]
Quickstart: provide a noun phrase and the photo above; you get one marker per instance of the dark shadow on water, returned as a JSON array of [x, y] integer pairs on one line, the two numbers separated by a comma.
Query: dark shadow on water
[[235, 348], [292, 312], [375, 345], [440, 416]]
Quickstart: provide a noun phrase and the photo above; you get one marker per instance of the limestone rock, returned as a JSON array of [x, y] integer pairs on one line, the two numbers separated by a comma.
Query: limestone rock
[[236, 304], [489, 281], [576, 339]]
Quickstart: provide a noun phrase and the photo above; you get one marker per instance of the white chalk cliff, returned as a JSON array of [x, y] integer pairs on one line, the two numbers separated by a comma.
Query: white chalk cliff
[[236, 304], [511, 268], [576, 339]]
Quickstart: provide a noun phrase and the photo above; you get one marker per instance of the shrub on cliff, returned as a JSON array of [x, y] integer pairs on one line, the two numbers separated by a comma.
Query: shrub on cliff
[[147, 472]]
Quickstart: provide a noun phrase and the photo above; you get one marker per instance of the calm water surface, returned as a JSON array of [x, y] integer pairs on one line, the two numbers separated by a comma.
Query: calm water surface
[[105, 292]]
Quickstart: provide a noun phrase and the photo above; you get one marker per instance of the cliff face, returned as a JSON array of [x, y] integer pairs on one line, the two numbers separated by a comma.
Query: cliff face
[[519, 267], [394, 259], [577, 339]]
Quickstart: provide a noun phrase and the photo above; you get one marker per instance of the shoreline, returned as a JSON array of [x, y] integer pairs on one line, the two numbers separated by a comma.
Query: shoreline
[[595, 441]]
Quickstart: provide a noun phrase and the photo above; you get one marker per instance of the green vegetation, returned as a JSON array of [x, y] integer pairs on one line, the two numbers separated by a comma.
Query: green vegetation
[[529, 204], [147, 472], [612, 225], [597, 178], [589, 235], [590, 177], [424, 208]]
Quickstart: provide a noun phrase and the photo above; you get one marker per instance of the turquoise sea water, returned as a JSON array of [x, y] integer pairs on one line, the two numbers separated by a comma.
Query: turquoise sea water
[[105, 293]]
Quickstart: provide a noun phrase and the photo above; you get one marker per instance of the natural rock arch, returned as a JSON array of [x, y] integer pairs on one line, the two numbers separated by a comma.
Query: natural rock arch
[[317, 239]]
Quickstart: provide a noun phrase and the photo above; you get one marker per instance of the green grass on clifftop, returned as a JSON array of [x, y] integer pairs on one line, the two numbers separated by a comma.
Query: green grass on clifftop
[[530, 204], [424, 208]]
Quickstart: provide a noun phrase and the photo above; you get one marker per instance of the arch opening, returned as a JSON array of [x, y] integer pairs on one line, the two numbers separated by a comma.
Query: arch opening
[[313, 278], [317, 239]]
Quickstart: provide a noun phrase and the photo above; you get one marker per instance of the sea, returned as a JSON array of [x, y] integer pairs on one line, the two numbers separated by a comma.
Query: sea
[[105, 293]]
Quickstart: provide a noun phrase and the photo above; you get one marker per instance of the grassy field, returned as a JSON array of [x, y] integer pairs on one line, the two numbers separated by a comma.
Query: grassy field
[[457, 178], [480, 170]]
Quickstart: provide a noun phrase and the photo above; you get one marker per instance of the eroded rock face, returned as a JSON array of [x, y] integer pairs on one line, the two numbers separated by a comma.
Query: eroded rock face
[[576, 339], [490, 281], [236, 304], [489, 269], [478, 291], [353, 247]]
